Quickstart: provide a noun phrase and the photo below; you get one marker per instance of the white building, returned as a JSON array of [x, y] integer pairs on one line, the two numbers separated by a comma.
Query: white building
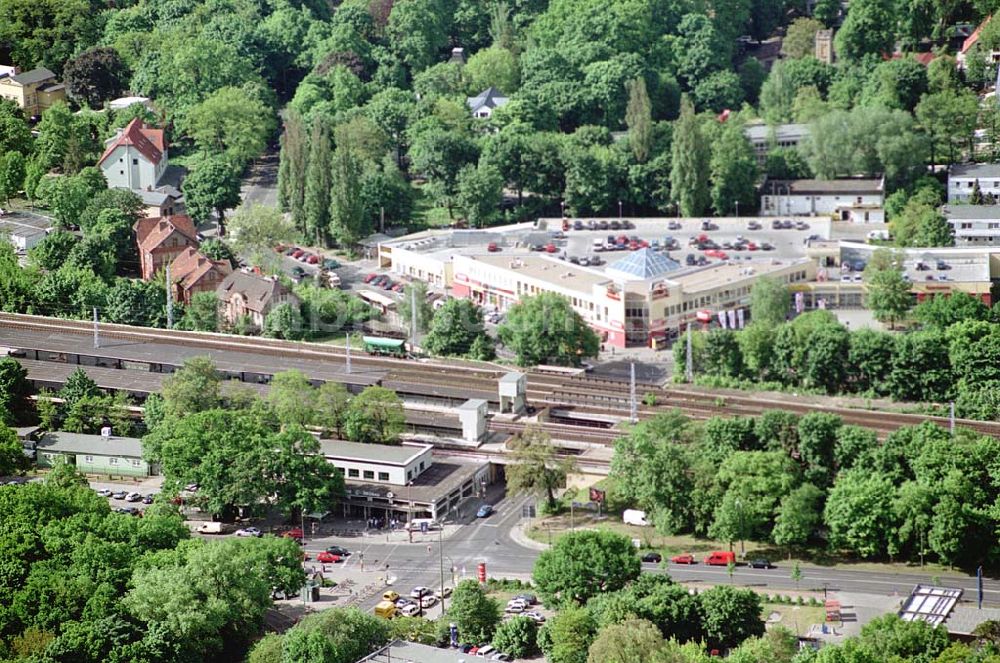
[[135, 157], [22, 237], [486, 102], [974, 225], [857, 200], [962, 180], [378, 463], [764, 138]]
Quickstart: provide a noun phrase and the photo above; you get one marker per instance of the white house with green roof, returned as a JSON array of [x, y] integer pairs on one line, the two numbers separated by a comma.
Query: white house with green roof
[[94, 454]]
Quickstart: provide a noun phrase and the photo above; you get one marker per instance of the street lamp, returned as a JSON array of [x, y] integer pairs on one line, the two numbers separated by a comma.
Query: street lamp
[[409, 509], [562, 206], [739, 508], [619, 210], [737, 208], [441, 557]]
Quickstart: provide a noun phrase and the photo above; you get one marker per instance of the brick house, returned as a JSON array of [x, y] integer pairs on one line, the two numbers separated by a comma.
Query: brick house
[[191, 272], [253, 296], [161, 240]]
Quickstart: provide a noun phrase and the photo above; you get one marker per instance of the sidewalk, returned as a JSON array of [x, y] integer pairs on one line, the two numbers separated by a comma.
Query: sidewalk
[[521, 538]]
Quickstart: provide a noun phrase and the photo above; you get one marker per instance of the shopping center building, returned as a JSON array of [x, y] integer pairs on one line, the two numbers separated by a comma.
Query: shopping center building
[[631, 298]]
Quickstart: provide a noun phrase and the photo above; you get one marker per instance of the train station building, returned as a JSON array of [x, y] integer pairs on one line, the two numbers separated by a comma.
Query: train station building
[[405, 481]]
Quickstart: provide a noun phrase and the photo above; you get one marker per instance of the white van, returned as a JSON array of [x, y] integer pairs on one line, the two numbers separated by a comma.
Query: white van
[[417, 523], [635, 517], [485, 651], [211, 528]]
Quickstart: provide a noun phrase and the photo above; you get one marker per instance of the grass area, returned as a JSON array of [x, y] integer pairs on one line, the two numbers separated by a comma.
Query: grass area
[[549, 529], [796, 618], [333, 338], [426, 214]]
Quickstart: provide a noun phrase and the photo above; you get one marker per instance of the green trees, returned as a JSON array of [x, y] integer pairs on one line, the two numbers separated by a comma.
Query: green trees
[[454, 329], [689, 163], [233, 122], [480, 191], [858, 512], [196, 387], [14, 392], [516, 637], [769, 301], [567, 636], [734, 170], [731, 615], [212, 185], [474, 613], [798, 516], [629, 642], [584, 564], [12, 458], [374, 416], [639, 120], [316, 204], [868, 29], [544, 328], [348, 221], [535, 468], [257, 230], [887, 293], [284, 321]]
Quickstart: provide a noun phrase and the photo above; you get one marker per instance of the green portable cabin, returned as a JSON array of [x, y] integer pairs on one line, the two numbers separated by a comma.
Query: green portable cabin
[[94, 454], [377, 345]]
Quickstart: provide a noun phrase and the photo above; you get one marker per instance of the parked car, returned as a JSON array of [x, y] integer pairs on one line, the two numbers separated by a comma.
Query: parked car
[[767, 246], [211, 528], [330, 263], [492, 247], [550, 248], [390, 596], [294, 533], [133, 497], [191, 488], [534, 615], [119, 494], [941, 264], [338, 550], [418, 592], [297, 253], [753, 225], [578, 225], [371, 277], [298, 272], [327, 558], [411, 610], [313, 260], [652, 558], [760, 563], [673, 225], [428, 601], [104, 492], [720, 558], [603, 225], [249, 531], [776, 224], [616, 225], [485, 511], [444, 592], [529, 599], [291, 249], [683, 559], [515, 606], [689, 259]]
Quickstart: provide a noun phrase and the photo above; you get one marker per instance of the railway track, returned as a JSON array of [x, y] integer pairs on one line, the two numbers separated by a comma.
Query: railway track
[[461, 379]]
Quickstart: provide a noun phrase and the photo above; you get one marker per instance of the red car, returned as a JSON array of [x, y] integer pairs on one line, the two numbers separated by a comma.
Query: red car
[[492, 247], [313, 260], [327, 558], [398, 287], [294, 533], [683, 559], [633, 246], [297, 253], [752, 247], [550, 248], [715, 253], [370, 278]]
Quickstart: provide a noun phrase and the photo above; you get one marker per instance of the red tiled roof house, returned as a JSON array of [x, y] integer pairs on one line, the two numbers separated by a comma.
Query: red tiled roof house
[[135, 157], [191, 272], [161, 240]]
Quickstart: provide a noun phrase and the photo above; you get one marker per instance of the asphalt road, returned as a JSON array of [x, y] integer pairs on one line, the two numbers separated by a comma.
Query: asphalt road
[[488, 540]]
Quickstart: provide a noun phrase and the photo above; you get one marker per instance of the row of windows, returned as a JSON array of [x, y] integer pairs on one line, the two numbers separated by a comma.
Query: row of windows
[[90, 459], [968, 226], [367, 474]]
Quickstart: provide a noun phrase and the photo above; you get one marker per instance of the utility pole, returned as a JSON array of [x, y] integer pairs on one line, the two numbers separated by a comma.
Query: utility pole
[[97, 340], [441, 560], [348, 351], [634, 413], [951, 419], [381, 219], [689, 370], [170, 301], [413, 318]]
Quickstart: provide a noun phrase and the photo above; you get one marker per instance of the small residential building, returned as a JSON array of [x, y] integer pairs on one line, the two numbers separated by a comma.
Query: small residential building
[[764, 138], [253, 296], [22, 237], [162, 201], [487, 101], [135, 157], [94, 454], [962, 180], [971, 42], [161, 240], [857, 200], [974, 225], [191, 272], [121, 103], [823, 46], [457, 55], [33, 91]]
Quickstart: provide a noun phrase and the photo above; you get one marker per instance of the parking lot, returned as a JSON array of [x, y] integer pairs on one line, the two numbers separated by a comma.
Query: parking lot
[[752, 233]]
